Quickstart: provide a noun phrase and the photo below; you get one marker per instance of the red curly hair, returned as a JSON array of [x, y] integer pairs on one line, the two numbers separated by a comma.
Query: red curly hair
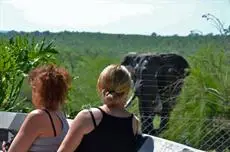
[[50, 85]]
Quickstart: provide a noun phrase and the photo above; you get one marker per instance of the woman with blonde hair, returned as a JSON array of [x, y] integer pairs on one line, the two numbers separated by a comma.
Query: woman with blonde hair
[[110, 127]]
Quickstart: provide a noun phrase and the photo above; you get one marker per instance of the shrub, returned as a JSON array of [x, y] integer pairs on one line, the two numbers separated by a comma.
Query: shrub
[[201, 117], [18, 56]]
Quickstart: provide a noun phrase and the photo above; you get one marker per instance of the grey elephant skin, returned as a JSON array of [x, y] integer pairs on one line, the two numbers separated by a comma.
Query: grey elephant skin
[[158, 79]]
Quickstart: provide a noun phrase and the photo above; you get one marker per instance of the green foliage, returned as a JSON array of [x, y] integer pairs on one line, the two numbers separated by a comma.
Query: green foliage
[[83, 43], [17, 57], [203, 105]]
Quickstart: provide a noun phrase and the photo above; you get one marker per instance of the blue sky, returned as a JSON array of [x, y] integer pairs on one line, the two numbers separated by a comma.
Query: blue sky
[[165, 17]]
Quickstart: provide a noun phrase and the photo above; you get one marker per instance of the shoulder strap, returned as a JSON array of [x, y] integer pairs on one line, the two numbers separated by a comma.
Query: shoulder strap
[[52, 123], [92, 116]]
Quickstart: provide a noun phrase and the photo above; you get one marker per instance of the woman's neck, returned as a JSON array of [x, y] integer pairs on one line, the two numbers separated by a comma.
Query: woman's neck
[[42, 107], [114, 107], [115, 111]]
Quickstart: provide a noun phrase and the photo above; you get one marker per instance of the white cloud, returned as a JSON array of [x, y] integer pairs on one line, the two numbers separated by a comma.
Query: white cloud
[[74, 13]]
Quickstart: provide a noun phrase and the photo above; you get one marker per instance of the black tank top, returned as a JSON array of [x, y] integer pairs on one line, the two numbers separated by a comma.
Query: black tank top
[[113, 134]]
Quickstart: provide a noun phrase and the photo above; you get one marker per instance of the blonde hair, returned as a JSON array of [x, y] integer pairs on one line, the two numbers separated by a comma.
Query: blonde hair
[[114, 82]]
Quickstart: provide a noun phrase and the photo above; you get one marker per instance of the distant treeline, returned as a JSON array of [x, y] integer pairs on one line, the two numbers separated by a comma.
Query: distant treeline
[[86, 43]]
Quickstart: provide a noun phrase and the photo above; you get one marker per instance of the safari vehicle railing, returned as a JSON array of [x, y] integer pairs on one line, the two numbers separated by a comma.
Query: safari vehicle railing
[[10, 123]]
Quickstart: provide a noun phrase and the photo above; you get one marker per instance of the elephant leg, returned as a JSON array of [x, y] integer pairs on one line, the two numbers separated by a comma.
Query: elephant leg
[[147, 124], [146, 118], [164, 116]]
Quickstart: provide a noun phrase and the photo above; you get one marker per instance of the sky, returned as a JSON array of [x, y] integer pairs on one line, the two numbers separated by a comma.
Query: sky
[[164, 17]]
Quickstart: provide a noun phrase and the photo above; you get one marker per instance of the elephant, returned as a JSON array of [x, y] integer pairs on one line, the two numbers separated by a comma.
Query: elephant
[[157, 81]]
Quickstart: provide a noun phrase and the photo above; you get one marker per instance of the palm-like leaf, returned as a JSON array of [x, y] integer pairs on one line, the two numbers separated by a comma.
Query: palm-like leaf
[[17, 57]]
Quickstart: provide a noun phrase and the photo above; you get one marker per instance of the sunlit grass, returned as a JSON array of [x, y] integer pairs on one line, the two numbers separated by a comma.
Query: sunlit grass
[[204, 99]]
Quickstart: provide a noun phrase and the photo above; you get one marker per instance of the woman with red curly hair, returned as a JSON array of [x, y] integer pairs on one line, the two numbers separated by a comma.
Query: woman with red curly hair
[[45, 127]]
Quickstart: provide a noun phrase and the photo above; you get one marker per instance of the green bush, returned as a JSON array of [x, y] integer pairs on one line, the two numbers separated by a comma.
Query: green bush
[[201, 115], [18, 56]]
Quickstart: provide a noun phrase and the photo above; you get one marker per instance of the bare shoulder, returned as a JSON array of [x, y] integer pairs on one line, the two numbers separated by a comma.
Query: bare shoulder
[[136, 121], [82, 118], [136, 125], [33, 121], [83, 115], [97, 114], [136, 118], [86, 116], [36, 115]]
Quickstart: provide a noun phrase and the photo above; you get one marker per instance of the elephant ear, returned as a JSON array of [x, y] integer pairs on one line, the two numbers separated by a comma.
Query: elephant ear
[[126, 60], [129, 60], [178, 61]]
